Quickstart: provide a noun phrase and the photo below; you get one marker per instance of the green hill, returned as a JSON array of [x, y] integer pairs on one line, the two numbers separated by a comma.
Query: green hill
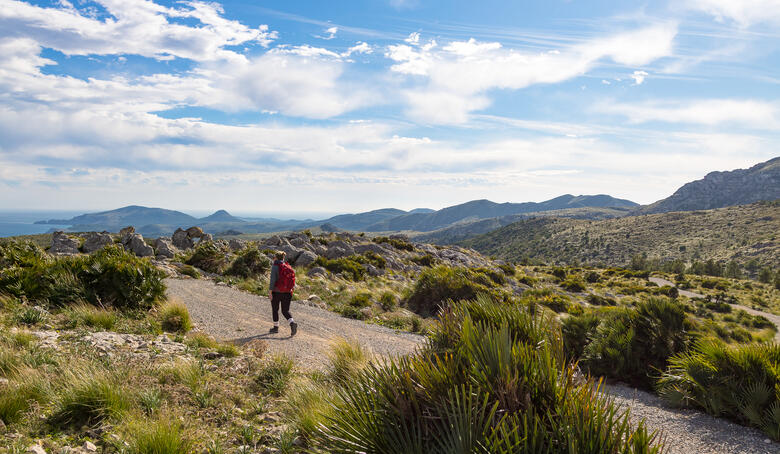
[[741, 233]]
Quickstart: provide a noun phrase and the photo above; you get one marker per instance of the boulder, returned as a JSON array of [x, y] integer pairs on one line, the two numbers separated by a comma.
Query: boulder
[[165, 248], [36, 449], [135, 243], [195, 232], [206, 237], [62, 244], [370, 247], [95, 241], [291, 251], [236, 245], [181, 240], [306, 258], [275, 240], [317, 271], [127, 230]]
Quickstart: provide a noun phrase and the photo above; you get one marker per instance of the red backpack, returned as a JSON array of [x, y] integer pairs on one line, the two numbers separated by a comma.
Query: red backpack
[[285, 283]]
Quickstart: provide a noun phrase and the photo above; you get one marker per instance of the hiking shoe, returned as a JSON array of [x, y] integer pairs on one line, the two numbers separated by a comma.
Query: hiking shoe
[[274, 330], [293, 328]]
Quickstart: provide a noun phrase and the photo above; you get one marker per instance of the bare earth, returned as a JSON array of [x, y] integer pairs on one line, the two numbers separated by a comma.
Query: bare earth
[[233, 315]]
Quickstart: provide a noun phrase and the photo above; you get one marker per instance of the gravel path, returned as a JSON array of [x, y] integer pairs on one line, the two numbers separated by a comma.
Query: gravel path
[[771, 317], [691, 431], [232, 315]]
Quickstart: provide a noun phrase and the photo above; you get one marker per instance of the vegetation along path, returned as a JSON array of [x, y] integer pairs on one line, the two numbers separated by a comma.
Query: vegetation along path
[[771, 317], [231, 314]]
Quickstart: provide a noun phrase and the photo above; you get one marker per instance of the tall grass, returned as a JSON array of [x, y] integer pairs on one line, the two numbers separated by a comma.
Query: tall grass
[[92, 316], [738, 382], [274, 374], [174, 317], [347, 358], [89, 396], [160, 436], [493, 379]]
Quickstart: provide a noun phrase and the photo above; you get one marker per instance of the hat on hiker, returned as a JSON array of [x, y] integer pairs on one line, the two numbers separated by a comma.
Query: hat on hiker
[[280, 255]]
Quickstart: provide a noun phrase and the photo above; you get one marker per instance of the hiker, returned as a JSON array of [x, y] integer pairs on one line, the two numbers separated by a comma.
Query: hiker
[[281, 288]]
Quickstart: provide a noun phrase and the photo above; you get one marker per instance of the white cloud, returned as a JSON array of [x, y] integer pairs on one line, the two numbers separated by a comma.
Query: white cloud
[[639, 77], [330, 33], [139, 27], [359, 48], [467, 69], [709, 112], [744, 12]]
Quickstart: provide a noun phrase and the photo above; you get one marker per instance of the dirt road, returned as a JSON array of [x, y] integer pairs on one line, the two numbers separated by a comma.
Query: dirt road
[[232, 315]]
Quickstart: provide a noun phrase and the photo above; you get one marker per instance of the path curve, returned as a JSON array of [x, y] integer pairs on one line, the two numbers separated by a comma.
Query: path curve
[[232, 315], [771, 317]]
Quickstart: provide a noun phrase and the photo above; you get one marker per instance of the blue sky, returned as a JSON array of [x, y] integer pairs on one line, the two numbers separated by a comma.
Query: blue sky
[[311, 106]]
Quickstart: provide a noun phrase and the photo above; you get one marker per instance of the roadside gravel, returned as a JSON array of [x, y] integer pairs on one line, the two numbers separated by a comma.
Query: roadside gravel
[[690, 431]]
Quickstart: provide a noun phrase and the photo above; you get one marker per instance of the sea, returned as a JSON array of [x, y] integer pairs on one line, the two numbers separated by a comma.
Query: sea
[[13, 223]]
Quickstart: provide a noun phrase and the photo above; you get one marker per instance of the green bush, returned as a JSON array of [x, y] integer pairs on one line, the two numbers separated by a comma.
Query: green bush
[[399, 244], [547, 297], [111, 276], [573, 284], [667, 290], [360, 300], [209, 257], [349, 266], [507, 269], [425, 260], [84, 314], [527, 280], [388, 300], [249, 263], [577, 333], [189, 270], [174, 317], [559, 273], [738, 382], [598, 300], [347, 359], [435, 286], [634, 344], [592, 277], [493, 379]]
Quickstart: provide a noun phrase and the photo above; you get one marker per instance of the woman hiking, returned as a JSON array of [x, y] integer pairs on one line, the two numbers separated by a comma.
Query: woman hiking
[[281, 288]]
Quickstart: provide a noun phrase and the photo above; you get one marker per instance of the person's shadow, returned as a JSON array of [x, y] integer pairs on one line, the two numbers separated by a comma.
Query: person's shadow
[[265, 336]]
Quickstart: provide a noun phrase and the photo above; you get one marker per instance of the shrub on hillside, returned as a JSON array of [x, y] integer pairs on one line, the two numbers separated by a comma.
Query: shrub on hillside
[[209, 257], [598, 300], [351, 268], [111, 276], [250, 262], [425, 260], [507, 269], [739, 382], [395, 242], [493, 379], [633, 344], [547, 297], [573, 284], [435, 286]]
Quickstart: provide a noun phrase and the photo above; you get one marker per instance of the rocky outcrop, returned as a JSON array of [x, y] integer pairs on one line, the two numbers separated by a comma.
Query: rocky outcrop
[[94, 241], [722, 189], [62, 244], [126, 231], [164, 248], [185, 239], [236, 245], [135, 243], [305, 258]]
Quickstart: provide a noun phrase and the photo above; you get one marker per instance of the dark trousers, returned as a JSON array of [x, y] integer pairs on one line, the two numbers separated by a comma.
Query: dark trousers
[[284, 299]]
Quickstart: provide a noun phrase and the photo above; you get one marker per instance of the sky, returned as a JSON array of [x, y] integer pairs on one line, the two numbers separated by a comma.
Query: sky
[[346, 106]]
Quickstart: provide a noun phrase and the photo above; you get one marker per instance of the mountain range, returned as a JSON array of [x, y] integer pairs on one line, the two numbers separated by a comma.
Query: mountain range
[[459, 222]]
